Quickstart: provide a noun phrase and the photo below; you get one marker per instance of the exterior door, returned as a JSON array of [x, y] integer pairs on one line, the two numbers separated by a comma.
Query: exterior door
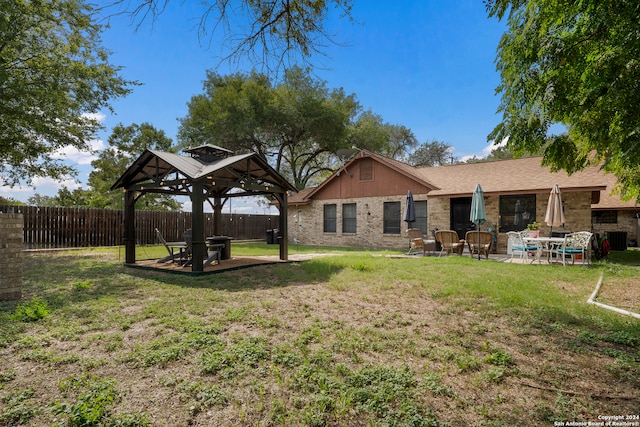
[[460, 213]]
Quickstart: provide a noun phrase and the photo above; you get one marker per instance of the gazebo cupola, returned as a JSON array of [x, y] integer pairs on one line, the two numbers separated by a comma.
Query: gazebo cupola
[[208, 153]]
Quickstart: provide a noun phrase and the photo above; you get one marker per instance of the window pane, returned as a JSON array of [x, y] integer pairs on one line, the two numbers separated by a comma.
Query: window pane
[[516, 212], [421, 216], [604, 217], [391, 218], [349, 218], [330, 218]]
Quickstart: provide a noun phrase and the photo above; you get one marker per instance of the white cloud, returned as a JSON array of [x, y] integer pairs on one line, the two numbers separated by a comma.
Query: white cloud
[[16, 192], [73, 155], [78, 157]]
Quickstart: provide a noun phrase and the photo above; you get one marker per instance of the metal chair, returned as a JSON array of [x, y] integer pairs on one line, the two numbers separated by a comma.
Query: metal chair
[[517, 244], [575, 244]]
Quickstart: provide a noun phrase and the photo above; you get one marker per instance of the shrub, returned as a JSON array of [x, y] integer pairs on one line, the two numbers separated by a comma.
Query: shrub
[[31, 311]]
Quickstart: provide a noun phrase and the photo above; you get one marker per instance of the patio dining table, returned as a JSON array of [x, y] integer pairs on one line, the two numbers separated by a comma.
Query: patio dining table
[[548, 244]]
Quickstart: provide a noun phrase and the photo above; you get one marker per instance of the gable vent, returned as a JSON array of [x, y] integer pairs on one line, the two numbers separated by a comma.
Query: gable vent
[[366, 170]]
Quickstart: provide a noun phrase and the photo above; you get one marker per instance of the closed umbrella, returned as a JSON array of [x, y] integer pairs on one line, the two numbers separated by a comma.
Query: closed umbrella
[[478, 214], [410, 210], [554, 216]]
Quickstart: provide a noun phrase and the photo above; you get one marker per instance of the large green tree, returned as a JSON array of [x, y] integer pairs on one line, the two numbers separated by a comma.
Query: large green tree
[[298, 124], [54, 74], [575, 64], [434, 153], [126, 143]]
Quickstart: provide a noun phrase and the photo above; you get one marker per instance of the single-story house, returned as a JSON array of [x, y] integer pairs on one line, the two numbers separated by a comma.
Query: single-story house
[[362, 204]]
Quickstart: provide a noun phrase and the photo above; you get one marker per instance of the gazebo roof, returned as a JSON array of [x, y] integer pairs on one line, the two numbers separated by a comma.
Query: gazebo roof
[[215, 167]]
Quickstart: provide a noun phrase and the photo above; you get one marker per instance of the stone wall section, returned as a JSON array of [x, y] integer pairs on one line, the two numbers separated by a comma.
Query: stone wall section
[[11, 232]]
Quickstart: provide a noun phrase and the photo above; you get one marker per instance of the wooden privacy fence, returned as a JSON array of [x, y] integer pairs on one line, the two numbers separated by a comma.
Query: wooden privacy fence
[[50, 227]]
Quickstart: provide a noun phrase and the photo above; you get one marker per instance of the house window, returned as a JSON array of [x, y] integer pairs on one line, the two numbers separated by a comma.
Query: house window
[[366, 170], [391, 218], [604, 217], [517, 211], [330, 218], [349, 218], [421, 216]]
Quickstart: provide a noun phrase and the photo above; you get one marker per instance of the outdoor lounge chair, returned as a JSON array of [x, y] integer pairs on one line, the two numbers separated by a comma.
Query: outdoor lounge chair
[[418, 244], [479, 242], [171, 247], [450, 242]]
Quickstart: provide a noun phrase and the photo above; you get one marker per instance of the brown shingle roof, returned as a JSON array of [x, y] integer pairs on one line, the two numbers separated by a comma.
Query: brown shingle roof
[[300, 198], [612, 201], [514, 176]]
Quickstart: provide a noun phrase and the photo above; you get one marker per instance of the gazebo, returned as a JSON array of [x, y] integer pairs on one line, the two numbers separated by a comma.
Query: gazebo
[[206, 173]]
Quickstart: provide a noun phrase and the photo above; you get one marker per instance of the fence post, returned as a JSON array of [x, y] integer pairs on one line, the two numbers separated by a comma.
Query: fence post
[[11, 231]]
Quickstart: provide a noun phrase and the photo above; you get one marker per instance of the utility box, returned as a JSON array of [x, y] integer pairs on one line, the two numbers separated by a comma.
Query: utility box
[[11, 237], [617, 240], [272, 236]]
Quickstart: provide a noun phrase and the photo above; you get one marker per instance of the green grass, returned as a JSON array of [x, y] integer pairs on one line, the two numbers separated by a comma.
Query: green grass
[[354, 339]]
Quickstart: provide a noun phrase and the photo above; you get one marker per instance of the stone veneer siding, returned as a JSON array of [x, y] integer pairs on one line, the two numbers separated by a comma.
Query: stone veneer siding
[[11, 231], [306, 221]]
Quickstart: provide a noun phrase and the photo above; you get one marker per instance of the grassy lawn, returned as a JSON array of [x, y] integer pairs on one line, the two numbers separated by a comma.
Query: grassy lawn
[[357, 338]]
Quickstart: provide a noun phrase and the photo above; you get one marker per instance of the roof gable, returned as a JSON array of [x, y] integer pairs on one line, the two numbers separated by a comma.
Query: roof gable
[[407, 174]]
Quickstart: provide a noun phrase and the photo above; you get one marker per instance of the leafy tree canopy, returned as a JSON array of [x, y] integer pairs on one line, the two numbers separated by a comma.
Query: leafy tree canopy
[[577, 64], [126, 143], [434, 153], [298, 124], [53, 75]]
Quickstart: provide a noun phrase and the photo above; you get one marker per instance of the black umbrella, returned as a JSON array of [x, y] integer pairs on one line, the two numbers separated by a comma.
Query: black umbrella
[[410, 210]]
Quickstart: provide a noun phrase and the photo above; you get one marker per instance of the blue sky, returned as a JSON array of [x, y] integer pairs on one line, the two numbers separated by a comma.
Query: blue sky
[[425, 64]]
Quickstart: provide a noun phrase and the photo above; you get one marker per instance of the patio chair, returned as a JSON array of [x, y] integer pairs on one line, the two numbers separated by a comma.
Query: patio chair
[[171, 247], [188, 255], [479, 242], [516, 241], [450, 242], [576, 244], [418, 243]]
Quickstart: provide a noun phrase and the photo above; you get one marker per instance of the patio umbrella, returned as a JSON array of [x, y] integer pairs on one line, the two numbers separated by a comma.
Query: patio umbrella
[[555, 213], [478, 214], [410, 210]]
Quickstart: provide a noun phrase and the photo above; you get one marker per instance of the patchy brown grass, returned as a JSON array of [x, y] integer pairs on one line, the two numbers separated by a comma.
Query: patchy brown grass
[[349, 340]]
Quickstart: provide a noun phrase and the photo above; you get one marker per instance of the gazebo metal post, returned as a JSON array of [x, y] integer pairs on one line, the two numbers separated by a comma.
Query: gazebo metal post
[[282, 223], [130, 226], [197, 226], [217, 216]]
